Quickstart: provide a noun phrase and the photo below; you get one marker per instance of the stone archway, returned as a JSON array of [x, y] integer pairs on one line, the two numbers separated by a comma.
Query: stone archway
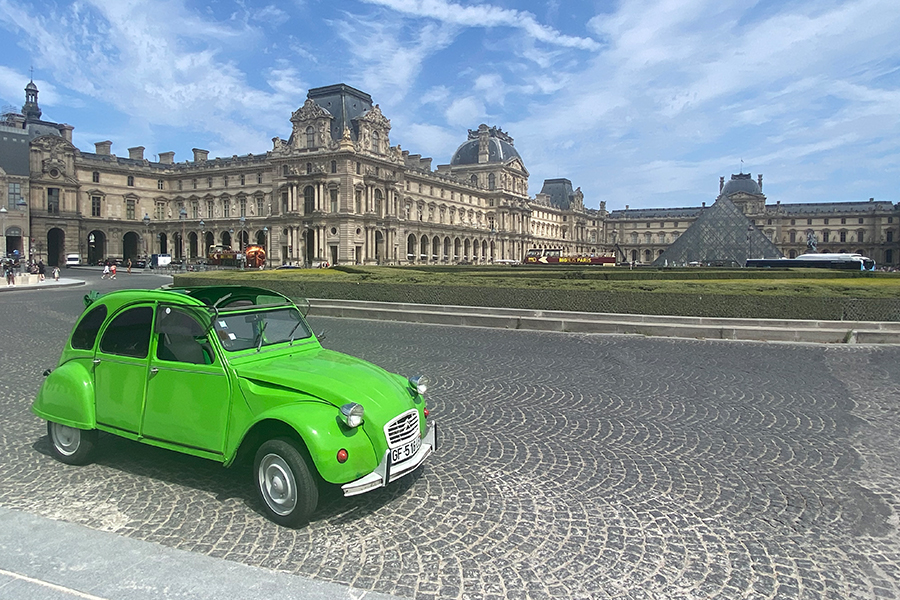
[[131, 246], [379, 247], [56, 247], [96, 247]]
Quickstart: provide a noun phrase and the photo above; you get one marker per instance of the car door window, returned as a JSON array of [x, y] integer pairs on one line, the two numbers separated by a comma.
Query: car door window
[[129, 333], [86, 331], [180, 338]]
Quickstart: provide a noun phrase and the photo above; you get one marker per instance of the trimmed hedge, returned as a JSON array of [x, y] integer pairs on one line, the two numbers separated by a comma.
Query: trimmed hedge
[[695, 305]]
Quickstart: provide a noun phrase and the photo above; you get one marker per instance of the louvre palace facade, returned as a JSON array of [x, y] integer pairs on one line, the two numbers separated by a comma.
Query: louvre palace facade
[[336, 190]]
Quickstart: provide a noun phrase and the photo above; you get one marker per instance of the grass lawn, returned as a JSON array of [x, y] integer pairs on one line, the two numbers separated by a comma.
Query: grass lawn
[[796, 282]]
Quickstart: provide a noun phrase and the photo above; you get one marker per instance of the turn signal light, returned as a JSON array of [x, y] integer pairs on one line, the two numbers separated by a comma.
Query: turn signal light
[[427, 412], [342, 456]]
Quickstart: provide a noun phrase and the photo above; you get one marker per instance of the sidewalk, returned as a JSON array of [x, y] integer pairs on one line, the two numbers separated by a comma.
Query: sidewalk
[[31, 282], [42, 559]]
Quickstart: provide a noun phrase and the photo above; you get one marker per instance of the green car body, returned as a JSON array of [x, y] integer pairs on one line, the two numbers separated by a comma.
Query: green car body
[[222, 372]]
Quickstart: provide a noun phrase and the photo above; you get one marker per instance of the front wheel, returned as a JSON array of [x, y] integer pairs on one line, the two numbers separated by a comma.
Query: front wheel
[[284, 483], [71, 445]]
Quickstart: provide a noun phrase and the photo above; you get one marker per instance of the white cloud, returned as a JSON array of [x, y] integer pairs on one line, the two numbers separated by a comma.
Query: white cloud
[[486, 15], [463, 112]]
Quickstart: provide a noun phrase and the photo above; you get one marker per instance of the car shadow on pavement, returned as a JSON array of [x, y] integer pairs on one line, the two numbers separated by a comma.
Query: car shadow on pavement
[[151, 464]]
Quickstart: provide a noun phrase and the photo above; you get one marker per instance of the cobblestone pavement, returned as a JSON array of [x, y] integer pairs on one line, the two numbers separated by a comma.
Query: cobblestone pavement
[[571, 466]]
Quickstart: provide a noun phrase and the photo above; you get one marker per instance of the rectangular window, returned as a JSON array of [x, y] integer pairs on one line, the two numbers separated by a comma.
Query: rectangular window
[[826, 221], [194, 181], [259, 178], [359, 202], [95, 206], [129, 209], [209, 182], [284, 203], [225, 180], [210, 209], [131, 181], [15, 195], [243, 203], [259, 207], [180, 185], [226, 209], [242, 180], [195, 210], [843, 236], [95, 176], [53, 201], [334, 200], [159, 184], [860, 220], [160, 211]]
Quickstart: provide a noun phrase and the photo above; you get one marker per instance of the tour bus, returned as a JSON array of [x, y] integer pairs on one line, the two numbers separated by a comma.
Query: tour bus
[[843, 260], [556, 256]]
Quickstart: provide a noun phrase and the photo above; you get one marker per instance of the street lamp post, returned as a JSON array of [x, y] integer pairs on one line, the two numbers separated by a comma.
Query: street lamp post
[[202, 250], [241, 245], [182, 214], [3, 212], [266, 236], [146, 220]]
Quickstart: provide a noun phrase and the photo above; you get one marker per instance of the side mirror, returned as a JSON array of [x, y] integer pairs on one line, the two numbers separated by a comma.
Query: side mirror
[[321, 335]]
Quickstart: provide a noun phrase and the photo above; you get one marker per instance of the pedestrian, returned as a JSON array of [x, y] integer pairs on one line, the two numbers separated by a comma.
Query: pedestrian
[[10, 274], [129, 266], [112, 271], [105, 271], [41, 270], [56, 273]]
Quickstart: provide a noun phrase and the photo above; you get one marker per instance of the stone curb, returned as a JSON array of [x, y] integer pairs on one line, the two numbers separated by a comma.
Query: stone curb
[[819, 332]]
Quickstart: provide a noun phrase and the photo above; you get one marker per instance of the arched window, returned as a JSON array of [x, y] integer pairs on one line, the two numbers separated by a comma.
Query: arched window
[[492, 181], [309, 200], [378, 198], [474, 180], [308, 168], [334, 166], [310, 137]]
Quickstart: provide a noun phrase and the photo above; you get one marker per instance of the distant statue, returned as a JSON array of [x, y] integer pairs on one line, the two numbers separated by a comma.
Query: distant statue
[[811, 241]]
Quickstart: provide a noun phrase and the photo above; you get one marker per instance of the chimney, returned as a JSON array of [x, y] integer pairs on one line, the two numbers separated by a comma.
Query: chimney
[[167, 158], [721, 184], [759, 181], [704, 205], [66, 131], [200, 155], [136, 153], [871, 199], [103, 148]]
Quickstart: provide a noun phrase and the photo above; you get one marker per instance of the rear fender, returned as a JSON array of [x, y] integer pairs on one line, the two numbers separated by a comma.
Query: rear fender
[[67, 396]]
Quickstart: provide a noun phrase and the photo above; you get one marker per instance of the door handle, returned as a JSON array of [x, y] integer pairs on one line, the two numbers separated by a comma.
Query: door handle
[[153, 371]]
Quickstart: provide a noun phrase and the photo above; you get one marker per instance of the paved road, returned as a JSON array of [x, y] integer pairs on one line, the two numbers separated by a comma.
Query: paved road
[[572, 466]]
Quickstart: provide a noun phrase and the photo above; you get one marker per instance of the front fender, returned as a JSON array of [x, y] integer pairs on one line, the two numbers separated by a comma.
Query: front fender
[[324, 434], [67, 396]]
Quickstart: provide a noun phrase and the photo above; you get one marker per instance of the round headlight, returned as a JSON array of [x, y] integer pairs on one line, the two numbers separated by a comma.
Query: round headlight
[[353, 414], [420, 382]]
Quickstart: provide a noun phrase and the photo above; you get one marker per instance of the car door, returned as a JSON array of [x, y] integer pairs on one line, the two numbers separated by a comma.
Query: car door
[[188, 391], [120, 369]]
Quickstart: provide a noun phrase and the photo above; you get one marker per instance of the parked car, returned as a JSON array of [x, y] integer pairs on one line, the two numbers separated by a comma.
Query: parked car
[[73, 260], [230, 372]]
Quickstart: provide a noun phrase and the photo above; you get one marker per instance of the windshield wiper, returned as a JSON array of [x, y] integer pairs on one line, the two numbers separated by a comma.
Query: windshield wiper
[[262, 330], [293, 331]]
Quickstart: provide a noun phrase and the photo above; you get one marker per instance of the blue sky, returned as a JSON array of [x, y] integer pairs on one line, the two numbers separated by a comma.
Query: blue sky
[[643, 103]]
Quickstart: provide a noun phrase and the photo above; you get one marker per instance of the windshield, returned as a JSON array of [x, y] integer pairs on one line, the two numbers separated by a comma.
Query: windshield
[[260, 328]]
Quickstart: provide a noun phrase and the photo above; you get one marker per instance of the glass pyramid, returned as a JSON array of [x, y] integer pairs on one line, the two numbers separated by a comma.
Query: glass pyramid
[[721, 236]]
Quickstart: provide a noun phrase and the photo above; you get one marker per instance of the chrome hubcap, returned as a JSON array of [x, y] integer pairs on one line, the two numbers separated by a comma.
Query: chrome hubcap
[[276, 481], [66, 439]]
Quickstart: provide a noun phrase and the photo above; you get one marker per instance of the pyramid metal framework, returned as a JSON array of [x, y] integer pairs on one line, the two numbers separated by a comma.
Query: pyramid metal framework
[[721, 236]]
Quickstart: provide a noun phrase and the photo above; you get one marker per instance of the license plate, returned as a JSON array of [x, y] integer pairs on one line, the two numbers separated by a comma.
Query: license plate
[[406, 451]]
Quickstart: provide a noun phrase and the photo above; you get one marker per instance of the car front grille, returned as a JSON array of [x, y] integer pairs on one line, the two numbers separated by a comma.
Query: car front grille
[[403, 429]]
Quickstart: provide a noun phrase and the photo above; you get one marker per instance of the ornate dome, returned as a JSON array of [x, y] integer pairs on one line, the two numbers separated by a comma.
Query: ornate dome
[[499, 147], [741, 183]]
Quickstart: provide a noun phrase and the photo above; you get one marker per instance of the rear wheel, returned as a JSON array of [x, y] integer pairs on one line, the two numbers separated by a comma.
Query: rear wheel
[[284, 482], [71, 445]]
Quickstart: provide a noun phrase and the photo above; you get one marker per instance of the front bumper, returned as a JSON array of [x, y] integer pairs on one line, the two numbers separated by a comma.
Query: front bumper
[[386, 472]]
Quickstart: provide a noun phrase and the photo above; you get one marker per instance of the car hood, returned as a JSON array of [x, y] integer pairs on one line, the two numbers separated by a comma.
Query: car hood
[[336, 378]]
